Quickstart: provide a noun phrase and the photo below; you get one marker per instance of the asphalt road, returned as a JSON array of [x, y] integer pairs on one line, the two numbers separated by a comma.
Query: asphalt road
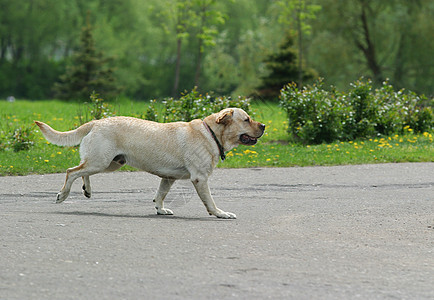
[[343, 232]]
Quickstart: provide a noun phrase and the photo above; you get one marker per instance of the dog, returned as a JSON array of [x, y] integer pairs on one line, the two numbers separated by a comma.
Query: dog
[[172, 151]]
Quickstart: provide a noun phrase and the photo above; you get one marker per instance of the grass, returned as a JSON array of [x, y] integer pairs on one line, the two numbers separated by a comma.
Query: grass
[[273, 150]]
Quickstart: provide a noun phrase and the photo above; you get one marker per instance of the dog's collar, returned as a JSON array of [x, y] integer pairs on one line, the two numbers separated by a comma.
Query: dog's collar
[[222, 151]]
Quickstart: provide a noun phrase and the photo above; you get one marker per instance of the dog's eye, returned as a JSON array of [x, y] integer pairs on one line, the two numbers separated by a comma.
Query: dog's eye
[[247, 120]]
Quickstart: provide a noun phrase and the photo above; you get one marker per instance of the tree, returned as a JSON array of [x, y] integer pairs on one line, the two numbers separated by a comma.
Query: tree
[[208, 18], [364, 40], [283, 69], [88, 72], [177, 18], [297, 13], [376, 39]]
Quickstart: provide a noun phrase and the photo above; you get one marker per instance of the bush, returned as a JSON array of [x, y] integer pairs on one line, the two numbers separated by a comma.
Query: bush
[[95, 110], [316, 115], [18, 139], [15, 137], [192, 105]]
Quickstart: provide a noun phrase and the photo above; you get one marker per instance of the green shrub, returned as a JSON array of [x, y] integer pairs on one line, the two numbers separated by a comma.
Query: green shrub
[[316, 115], [362, 110], [95, 110], [192, 105], [14, 136], [21, 139]]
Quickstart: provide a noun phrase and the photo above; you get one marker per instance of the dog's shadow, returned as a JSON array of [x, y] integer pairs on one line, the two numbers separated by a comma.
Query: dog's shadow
[[159, 217]]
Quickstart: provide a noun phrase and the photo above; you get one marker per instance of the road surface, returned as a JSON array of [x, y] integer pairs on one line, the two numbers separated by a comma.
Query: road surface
[[345, 232]]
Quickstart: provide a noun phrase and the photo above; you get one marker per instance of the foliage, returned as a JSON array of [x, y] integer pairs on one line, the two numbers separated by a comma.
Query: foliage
[[316, 115], [16, 138], [95, 110], [193, 105], [21, 139], [296, 14], [87, 73], [282, 67], [39, 37], [347, 42]]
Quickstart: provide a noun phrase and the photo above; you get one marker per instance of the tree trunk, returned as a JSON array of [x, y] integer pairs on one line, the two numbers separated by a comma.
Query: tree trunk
[[198, 64], [368, 47], [300, 48], [177, 68]]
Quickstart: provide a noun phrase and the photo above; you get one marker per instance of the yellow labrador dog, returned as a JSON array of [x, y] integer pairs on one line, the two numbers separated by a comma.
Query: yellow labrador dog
[[172, 151]]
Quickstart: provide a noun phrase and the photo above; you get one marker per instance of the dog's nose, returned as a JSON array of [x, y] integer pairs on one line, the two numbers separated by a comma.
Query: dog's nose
[[262, 126]]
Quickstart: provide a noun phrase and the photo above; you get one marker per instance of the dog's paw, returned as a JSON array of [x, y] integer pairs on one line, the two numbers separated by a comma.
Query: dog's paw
[[224, 215], [61, 197], [164, 211], [86, 193]]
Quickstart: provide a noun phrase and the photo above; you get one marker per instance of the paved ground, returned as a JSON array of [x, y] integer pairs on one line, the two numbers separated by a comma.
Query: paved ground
[[302, 233]]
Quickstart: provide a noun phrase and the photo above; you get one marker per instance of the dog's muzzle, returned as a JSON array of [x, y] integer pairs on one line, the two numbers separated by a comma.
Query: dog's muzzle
[[248, 140]]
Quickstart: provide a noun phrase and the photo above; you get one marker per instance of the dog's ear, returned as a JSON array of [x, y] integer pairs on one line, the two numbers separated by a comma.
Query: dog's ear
[[224, 116]]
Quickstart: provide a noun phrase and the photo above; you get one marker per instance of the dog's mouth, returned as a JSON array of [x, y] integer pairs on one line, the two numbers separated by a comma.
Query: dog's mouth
[[248, 140]]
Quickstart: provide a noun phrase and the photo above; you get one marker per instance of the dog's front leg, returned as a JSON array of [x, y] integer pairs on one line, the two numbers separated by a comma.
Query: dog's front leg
[[164, 188], [204, 193]]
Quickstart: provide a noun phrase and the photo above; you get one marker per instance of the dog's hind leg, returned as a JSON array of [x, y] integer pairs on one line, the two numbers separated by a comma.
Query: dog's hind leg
[[117, 162], [164, 188], [71, 176], [85, 169], [86, 186]]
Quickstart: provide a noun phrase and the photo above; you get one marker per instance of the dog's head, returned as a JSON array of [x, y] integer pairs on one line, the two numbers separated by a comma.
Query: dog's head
[[233, 126]]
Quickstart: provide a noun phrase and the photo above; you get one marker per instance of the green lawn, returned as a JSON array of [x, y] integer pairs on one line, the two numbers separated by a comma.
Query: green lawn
[[273, 149]]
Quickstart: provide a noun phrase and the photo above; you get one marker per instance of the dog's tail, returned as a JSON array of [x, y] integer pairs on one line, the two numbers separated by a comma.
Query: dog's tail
[[68, 138]]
